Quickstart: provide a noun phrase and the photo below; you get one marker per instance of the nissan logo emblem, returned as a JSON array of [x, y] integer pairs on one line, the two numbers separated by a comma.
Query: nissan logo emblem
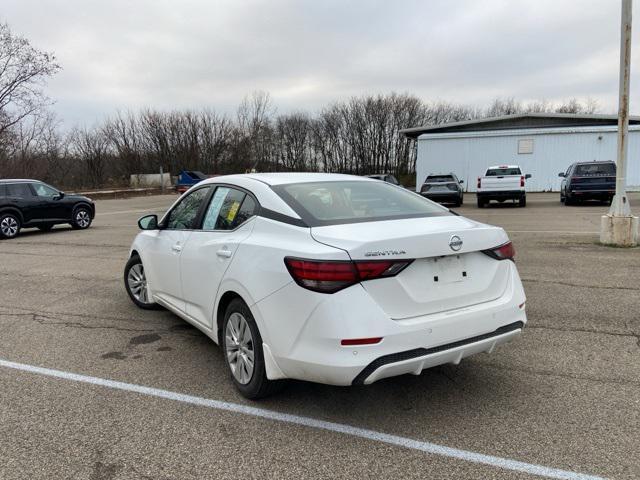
[[455, 242]]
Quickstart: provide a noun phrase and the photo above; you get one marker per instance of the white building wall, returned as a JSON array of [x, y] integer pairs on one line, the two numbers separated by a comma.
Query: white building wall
[[468, 154]]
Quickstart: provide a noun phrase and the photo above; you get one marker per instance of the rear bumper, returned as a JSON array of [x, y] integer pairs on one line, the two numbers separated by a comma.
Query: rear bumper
[[414, 361], [303, 330], [497, 194], [445, 197], [595, 193]]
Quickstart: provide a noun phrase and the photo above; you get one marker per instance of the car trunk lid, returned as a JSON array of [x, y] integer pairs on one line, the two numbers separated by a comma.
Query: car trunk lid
[[449, 270]]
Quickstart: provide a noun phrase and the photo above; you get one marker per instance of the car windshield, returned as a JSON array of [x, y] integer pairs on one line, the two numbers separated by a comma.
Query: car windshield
[[498, 172], [439, 178], [596, 169], [334, 203]]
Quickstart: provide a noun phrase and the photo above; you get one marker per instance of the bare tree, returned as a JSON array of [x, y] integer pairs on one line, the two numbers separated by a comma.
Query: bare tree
[[253, 138], [23, 71], [90, 147]]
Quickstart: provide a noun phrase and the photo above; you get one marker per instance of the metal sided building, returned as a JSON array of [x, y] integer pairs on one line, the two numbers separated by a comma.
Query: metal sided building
[[543, 144]]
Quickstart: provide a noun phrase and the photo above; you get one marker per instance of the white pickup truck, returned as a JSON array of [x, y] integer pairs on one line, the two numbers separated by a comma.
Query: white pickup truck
[[502, 182]]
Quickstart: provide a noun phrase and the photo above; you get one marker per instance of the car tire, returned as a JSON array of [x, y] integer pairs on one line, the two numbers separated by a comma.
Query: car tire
[[522, 202], [135, 282], [9, 226], [81, 218], [241, 341], [46, 227], [481, 203]]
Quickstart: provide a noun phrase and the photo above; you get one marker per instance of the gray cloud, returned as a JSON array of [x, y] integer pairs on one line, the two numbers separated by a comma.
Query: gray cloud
[[131, 54]]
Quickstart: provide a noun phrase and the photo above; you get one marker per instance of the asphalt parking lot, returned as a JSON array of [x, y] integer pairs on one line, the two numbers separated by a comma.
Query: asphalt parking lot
[[565, 396]]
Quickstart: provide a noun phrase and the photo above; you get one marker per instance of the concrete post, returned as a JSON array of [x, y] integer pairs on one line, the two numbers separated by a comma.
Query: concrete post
[[619, 227]]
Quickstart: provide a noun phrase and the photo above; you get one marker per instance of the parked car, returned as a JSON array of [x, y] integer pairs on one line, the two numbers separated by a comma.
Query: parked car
[[31, 203], [444, 188], [330, 278], [502, 182], [385, 177], [588, 181], [187, 179]]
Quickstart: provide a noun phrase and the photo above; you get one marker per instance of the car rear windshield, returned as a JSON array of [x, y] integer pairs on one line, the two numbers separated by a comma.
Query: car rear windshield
[[596, 169], [439, 178], [335, 203], [498, 172]]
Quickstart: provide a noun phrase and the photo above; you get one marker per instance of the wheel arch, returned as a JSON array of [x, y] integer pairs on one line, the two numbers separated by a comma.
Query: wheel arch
[[82, 203], [13, 210], [226, 298]]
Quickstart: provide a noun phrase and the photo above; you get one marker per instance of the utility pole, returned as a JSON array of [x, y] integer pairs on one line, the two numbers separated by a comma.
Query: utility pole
[[619, 227]]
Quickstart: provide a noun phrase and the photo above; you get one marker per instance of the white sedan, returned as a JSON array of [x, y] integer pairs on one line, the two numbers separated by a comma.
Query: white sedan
[[328, 278]]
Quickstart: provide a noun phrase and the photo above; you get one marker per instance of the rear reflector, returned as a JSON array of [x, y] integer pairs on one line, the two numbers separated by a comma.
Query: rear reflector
[[333, 275], [502, 252], [360, 341]]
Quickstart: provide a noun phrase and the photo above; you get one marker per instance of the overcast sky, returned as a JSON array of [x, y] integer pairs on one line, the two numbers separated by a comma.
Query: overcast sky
[[189, 54]]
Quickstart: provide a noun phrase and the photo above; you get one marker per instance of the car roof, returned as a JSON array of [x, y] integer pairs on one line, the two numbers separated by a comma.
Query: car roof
[[594, 161], [504, 166], [18, 180], [288, 177]]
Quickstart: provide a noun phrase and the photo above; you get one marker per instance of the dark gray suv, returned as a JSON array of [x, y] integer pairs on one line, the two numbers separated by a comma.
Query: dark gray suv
[[443, 188]]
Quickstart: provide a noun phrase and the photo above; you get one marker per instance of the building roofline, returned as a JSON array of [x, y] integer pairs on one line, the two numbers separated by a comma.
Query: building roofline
[[414, 132]]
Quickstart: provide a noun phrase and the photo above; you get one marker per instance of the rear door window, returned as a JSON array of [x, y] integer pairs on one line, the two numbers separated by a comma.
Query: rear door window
[[229, 208], [18, 190]]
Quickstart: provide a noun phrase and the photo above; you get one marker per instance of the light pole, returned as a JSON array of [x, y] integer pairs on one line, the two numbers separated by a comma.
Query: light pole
[[619, 227]]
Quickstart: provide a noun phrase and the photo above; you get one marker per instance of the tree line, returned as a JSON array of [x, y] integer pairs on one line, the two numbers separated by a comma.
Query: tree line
[[360, 135]]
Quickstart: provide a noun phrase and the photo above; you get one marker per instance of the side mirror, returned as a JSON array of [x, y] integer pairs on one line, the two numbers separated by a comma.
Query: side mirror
[[528, 175], [148, 222], [461, 181], [60, 196], [562, 174]]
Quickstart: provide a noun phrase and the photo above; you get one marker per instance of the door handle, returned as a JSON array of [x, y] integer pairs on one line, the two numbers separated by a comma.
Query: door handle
[[224, 253], [177, 248]]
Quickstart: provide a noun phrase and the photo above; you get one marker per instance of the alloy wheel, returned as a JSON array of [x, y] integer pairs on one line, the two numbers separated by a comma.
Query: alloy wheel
[[9, 226], [137, 282], [239, 347], [83, 219]]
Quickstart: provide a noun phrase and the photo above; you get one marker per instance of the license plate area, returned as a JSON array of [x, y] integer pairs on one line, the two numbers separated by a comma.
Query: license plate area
[[449, 269]]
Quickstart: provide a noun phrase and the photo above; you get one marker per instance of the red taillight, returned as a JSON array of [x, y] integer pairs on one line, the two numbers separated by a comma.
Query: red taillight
[[503, 252], [522, 181], [479, 182], [360, 341], [334, 275]]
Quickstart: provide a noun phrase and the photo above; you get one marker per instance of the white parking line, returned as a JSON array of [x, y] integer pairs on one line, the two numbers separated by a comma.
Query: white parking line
[[428, 447]]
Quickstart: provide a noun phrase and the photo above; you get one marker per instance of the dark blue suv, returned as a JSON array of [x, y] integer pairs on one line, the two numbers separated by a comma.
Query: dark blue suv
[[588, 181]]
